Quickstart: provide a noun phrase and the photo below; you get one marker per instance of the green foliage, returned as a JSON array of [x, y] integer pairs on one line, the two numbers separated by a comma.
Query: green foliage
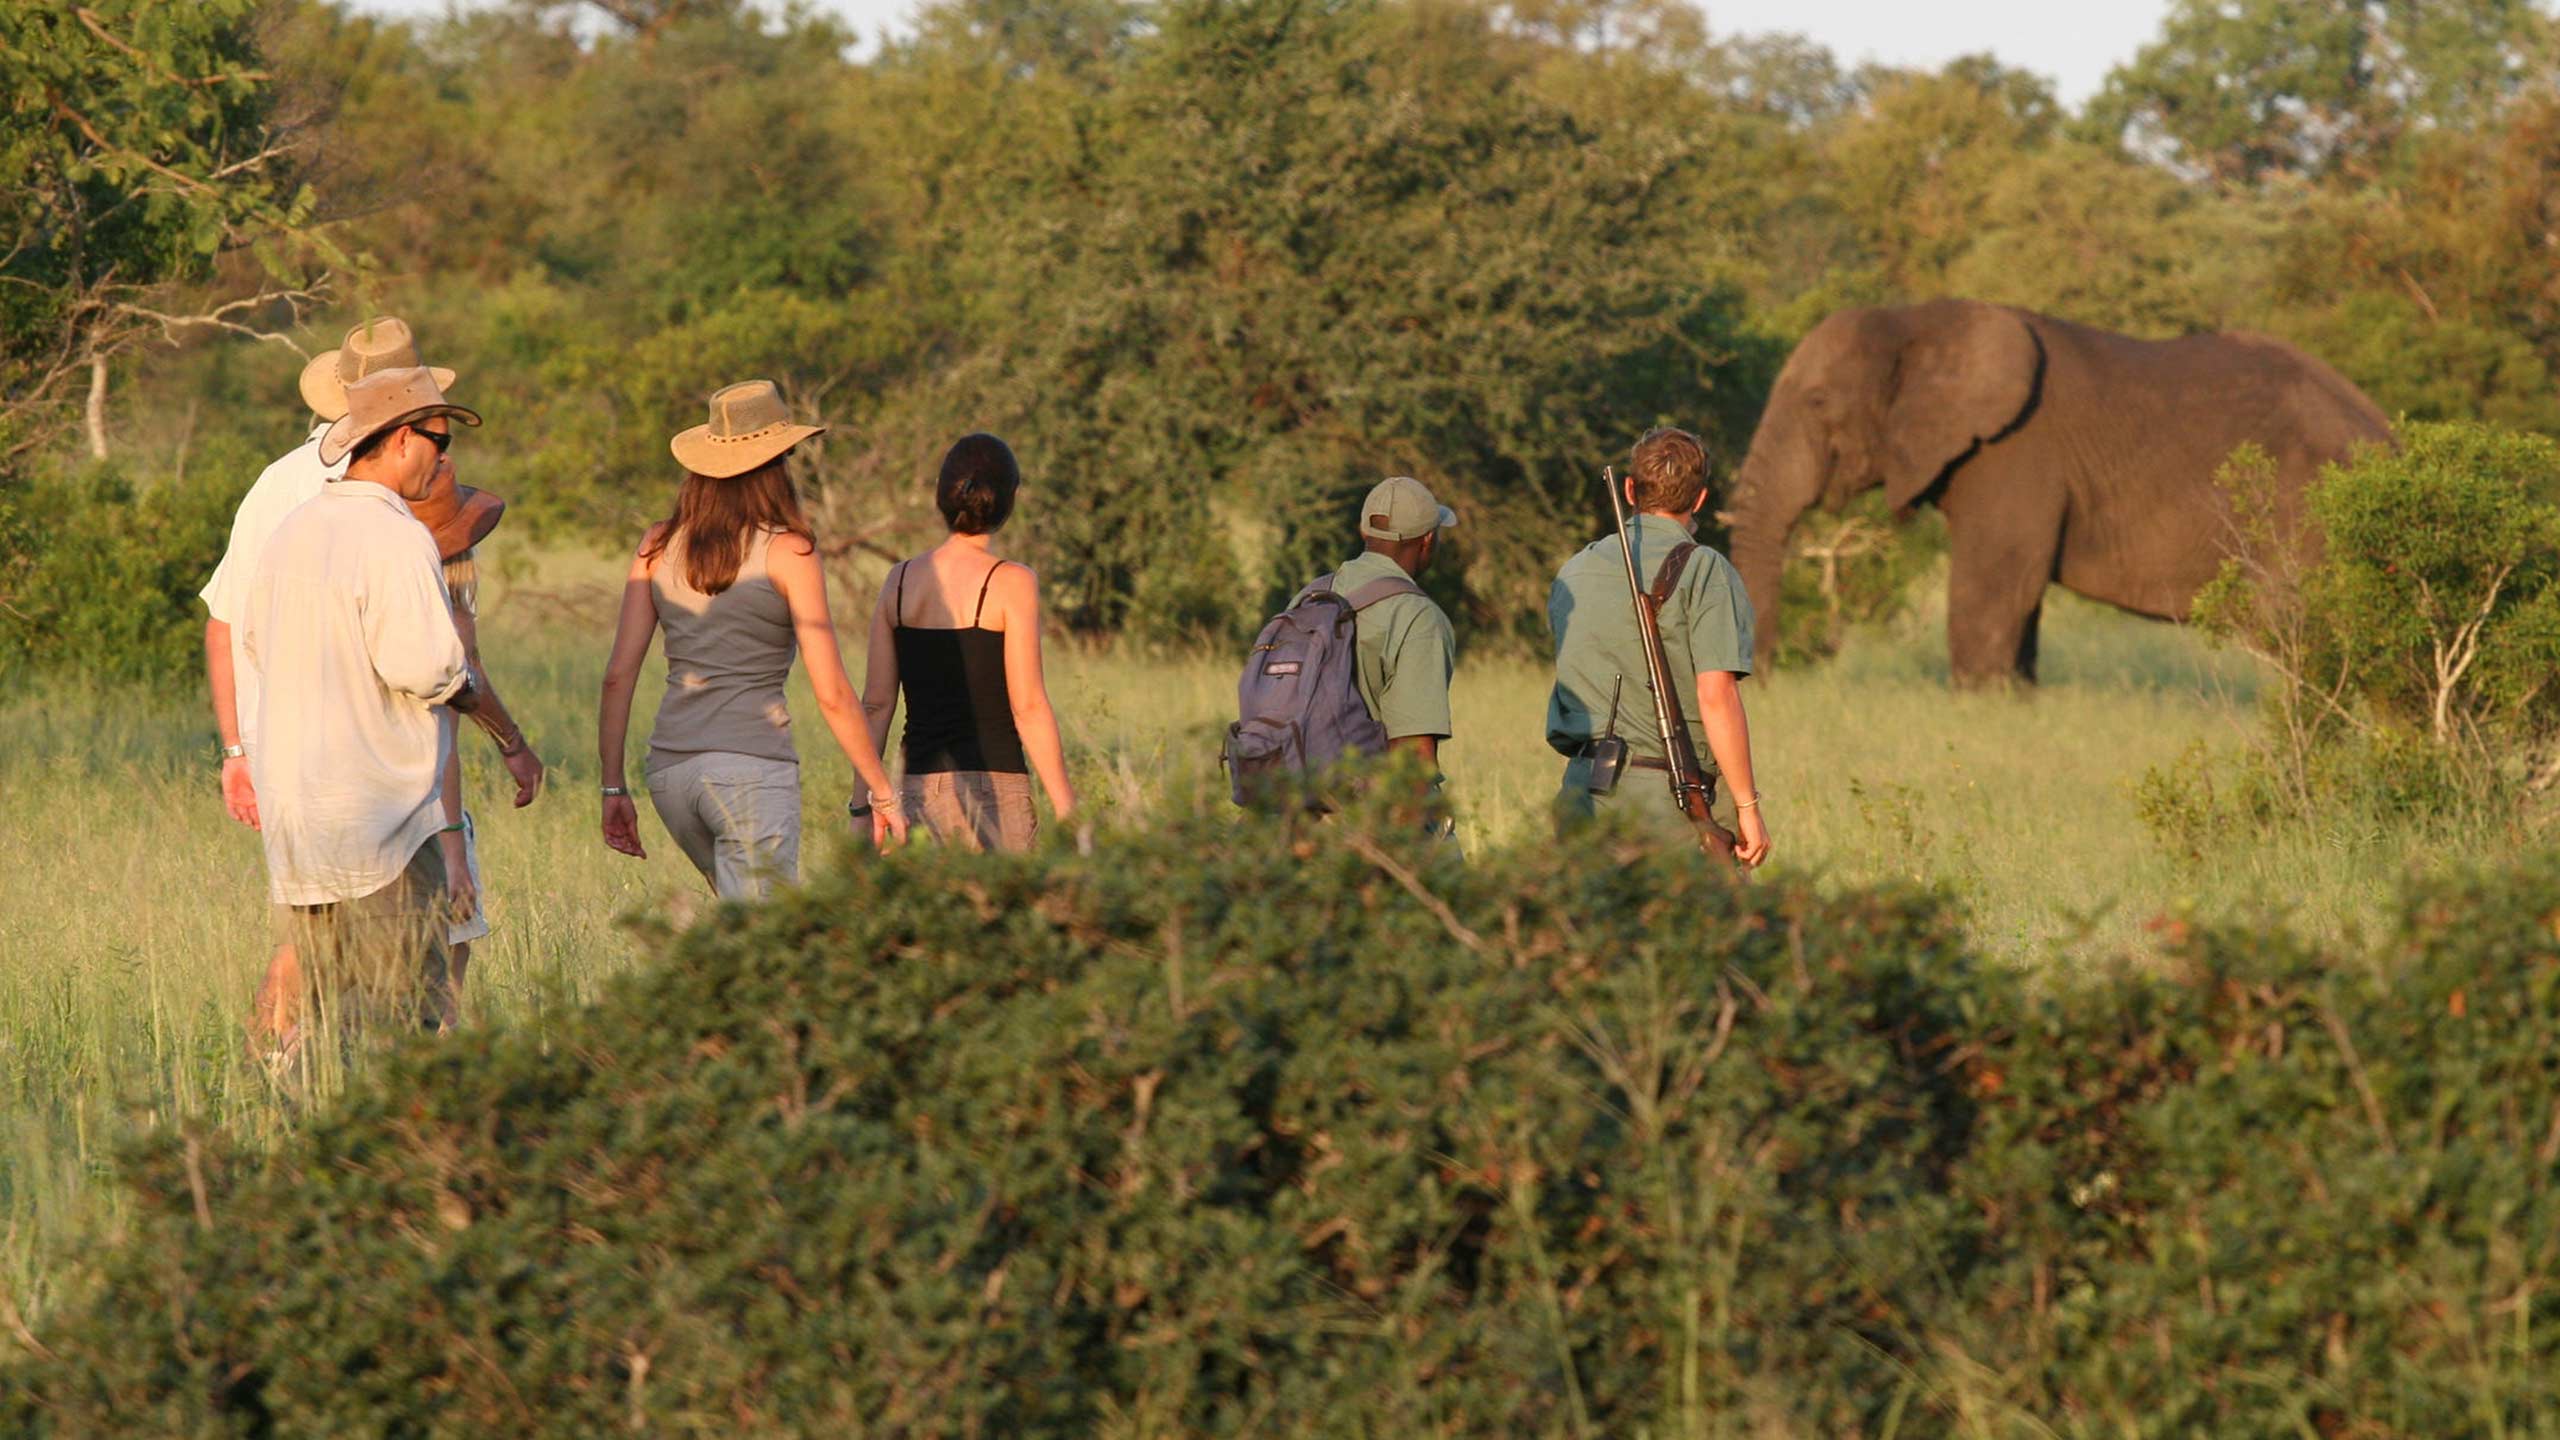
[[2441, 581], [135, 150], [1215, 267], [1067, 1143], [2412, 631], [1851, 569], [98, 575], [2242, 90]]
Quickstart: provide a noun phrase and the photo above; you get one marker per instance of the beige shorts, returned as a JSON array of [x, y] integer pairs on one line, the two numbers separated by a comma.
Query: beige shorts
[[475, 926], [380, 957], [973, 809]]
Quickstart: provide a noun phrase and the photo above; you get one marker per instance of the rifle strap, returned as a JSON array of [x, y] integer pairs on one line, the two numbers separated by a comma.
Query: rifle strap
[[1667, 579]]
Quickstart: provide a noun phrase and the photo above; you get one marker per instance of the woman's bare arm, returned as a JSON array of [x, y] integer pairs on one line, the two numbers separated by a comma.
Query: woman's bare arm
[[880, 665], [1017, 592], [793, 564], [632, 631]]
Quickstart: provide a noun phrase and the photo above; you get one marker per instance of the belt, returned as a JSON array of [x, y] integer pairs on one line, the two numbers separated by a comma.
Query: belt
[[1633, 762]]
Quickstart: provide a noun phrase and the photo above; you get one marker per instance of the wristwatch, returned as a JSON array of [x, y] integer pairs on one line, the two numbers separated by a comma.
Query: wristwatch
[[611, 791], [235, 752], [859, 808]]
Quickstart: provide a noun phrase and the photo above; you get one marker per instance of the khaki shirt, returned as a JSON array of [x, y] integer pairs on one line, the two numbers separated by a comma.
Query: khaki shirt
[[351, 635], [1407, 652], [1706, 627]]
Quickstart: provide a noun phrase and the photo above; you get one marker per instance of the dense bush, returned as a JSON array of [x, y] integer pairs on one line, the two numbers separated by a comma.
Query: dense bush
[[1231, 1129], [98, 576], [2409, 617]]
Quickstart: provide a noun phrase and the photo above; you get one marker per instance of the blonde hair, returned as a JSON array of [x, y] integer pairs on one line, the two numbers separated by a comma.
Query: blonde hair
[[462, 582], [1670, 471]]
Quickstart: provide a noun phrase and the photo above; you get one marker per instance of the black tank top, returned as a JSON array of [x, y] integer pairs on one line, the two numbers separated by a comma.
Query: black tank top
[[959, 712]]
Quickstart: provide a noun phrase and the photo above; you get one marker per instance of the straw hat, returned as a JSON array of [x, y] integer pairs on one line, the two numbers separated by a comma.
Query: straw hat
[[749, 425], [385, 399], [457, 515], [378, 344]]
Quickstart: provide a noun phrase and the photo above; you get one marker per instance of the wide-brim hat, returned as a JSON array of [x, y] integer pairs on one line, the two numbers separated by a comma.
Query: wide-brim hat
[[459, 516], [383, 400], [382, 343], [749, 426]]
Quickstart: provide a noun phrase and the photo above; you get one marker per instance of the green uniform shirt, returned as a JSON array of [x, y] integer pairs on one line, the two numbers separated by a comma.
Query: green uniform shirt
[[1706, 626], [1407, 653]]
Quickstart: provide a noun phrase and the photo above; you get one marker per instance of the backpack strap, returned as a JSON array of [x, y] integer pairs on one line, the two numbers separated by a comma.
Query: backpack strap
[[1667, 579], [1384, 588]]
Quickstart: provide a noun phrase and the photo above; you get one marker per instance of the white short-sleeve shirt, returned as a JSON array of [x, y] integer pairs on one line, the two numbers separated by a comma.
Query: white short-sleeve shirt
[[282, 487], [351, 636]]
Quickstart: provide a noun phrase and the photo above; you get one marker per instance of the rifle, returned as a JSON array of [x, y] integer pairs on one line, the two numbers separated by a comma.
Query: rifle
[[1689, 788]]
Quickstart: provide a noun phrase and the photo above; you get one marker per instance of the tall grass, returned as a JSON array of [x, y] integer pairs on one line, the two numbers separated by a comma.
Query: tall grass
[[133, 925]]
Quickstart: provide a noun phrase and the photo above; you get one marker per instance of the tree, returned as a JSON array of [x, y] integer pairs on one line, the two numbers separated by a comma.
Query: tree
[[136, 154], [2237, 90]]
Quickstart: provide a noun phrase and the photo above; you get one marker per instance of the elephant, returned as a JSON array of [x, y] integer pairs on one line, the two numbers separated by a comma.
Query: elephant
[[2059, 454]]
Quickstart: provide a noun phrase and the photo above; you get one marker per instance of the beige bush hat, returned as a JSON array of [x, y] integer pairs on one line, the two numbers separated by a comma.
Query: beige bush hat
[[382, 400], [382, 343], [1408, 508], [749, 425]]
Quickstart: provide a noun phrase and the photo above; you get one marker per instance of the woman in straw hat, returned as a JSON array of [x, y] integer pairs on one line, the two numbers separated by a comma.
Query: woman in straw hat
[[733, 576], [957, 630]]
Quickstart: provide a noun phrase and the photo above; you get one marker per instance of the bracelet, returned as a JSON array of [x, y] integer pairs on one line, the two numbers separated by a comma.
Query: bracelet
[[449, 829], [613, 791], [1751, 804], [509, 752], [235, 752], [857, 809]]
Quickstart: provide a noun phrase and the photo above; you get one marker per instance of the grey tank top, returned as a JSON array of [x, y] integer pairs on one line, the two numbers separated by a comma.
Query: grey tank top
[[727, 658]]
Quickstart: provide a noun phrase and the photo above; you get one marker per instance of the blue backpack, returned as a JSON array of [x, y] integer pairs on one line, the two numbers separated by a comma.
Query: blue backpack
[[1299, 701]]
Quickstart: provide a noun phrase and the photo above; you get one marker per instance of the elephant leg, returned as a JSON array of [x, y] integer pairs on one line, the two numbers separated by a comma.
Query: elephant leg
[[2004, 546]]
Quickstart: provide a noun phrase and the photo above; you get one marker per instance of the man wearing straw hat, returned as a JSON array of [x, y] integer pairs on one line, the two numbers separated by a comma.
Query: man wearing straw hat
[[299, 475], [349, 638]]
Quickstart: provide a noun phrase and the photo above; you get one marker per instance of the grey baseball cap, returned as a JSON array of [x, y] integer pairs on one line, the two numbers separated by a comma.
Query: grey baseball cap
[[1408, 509]]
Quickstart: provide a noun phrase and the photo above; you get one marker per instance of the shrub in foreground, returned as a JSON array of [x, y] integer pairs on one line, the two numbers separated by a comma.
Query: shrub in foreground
[[1235, 1129]]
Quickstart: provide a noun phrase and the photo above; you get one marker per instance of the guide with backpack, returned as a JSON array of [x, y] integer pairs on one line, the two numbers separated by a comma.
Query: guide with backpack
[[1359, 663]]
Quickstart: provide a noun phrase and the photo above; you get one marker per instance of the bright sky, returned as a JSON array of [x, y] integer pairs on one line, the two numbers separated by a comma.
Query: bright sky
[[2072, 44]]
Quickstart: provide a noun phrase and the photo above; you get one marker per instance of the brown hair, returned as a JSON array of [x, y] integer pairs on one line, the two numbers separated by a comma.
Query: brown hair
[[976, 488], [715, 517], [1670, 470]]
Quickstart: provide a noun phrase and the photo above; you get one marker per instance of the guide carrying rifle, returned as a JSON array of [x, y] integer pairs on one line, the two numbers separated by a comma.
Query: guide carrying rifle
[[1692, 793], [1649, 607]]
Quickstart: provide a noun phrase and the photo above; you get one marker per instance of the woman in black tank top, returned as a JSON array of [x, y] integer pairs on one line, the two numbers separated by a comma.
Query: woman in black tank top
[[978, 717]]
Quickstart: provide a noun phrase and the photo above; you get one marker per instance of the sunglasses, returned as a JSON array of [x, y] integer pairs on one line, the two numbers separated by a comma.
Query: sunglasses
[[442, 440]]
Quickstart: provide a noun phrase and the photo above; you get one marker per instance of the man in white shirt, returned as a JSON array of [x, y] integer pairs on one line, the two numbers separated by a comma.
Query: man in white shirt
[[384, 343], [350, 642], [296, 476]]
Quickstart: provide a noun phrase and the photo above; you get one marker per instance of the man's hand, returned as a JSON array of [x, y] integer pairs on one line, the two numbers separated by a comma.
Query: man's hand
[[239, 796], [1754, 843], [622, 826], [526, 767]]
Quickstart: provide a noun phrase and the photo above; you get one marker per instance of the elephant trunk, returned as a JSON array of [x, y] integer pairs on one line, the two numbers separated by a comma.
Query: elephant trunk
[[1767, 503]]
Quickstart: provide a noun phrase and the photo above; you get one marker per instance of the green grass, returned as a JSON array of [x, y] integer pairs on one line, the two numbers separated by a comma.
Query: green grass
[[132, 925]]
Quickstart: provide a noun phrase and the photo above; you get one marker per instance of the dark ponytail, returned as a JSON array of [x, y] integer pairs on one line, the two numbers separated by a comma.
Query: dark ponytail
[[979, 478]]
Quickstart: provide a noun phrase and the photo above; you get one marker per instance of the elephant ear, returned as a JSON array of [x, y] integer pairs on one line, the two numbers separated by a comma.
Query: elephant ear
[[1967, 374]]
